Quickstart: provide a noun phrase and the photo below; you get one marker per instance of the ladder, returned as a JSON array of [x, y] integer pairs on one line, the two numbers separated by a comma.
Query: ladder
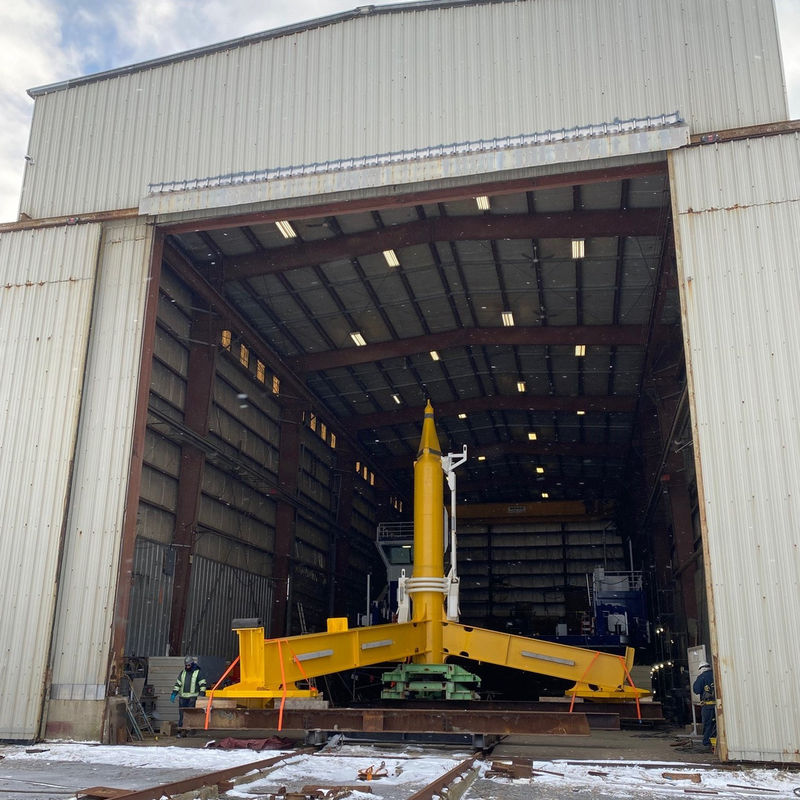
[[138, 721]]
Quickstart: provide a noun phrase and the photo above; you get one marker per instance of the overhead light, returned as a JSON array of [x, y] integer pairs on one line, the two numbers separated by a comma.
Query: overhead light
[[285, 227], [540, 470], [508, 319], [462, 415], [580, 412], [406, 546], [545, 495], [434, 355], [391, 258], [358, 338], [578, 248], [520, 386], [481, 458], [396, 398], [483, 202], [532, 436], [580, 349]]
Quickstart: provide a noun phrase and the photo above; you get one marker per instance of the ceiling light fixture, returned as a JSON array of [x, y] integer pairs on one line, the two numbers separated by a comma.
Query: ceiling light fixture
[[483, 202], [358, 338], [540, 470], [391, 258], [545, 495], [578, 248], [532, 436], [481, 458], [580, 349], [508, 318], [396, 398], [285, 227], [580, 412], [520, 386], [434, 355], [462, 415]]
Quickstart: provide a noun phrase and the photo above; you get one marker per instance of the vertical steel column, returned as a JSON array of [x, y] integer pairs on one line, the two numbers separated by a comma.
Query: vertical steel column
[[199, 389], [285, 514], [346, 474], [683, 543]]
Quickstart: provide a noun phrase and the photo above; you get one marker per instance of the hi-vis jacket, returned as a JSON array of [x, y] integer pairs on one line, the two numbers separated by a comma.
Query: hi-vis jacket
[[190, 683]]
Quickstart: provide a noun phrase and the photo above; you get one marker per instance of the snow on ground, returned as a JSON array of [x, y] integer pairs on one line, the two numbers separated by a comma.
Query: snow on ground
[[640, 779], [406, 772], [410, 768], [199, 759]]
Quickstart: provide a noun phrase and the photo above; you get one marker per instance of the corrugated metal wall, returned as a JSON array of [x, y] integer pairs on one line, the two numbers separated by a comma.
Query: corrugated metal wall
[[219, 594], [532, 566], [84, 614], [151, 595], [47, 281], [737, 212], [401, 80]]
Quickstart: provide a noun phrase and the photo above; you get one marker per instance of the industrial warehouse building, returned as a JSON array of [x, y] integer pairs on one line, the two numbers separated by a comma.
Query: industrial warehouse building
[[240, 272]]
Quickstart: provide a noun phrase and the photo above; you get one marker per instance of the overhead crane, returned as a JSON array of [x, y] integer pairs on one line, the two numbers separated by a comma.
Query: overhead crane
[[420, 641]]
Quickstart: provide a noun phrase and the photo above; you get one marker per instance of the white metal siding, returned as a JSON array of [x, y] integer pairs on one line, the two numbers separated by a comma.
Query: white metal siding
[[737, 211], [402, 80], [84, 614], [46, 285]]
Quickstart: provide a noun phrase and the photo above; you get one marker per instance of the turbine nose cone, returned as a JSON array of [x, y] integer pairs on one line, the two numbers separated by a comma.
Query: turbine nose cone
[[429, 441]]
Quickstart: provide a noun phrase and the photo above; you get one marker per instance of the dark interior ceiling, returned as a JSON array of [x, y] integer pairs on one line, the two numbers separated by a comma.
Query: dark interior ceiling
[[539, 420]]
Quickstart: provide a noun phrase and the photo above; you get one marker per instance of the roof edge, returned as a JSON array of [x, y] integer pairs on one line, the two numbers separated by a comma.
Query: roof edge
[[253, 38]]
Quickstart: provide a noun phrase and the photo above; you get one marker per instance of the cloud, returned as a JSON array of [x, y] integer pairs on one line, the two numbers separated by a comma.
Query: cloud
[[31, 52], [789, 27]]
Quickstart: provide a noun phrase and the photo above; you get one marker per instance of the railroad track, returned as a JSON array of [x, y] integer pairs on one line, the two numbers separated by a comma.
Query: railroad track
[[452, 782]]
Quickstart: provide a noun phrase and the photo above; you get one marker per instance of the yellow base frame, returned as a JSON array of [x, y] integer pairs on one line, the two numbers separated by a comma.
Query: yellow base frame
[[271, 668]]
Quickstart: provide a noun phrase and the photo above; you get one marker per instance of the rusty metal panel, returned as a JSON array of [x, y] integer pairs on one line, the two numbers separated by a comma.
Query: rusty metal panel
[[47, 280], [449, 73], [737, 231], [92, 535], [219, 594], [151, 594]]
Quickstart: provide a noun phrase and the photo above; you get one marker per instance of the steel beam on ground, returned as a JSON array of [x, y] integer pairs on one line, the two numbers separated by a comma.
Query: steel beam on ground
[[383, 720], [218, 779]]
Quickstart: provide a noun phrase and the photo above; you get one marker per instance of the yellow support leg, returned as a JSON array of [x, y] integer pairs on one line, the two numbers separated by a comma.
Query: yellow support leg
[[271, 668], [608, 672]]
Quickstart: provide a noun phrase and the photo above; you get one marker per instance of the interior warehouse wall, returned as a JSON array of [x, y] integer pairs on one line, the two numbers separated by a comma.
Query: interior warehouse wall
[[233, 540], [47, 282], [411, 78], [737, 228], [533, 571]]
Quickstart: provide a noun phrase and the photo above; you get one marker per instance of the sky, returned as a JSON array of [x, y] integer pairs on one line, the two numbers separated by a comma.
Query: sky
[[408, 770], [48, 41]]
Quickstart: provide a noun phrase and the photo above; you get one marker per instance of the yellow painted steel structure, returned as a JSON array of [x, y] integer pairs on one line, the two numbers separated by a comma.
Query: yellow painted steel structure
[[273, 667]]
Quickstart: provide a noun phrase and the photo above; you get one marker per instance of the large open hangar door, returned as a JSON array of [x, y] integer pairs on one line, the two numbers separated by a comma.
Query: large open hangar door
[[293, 356]]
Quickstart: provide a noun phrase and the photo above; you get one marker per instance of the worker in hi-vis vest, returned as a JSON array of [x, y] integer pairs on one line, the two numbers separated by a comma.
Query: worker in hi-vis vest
[[188, 686]]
